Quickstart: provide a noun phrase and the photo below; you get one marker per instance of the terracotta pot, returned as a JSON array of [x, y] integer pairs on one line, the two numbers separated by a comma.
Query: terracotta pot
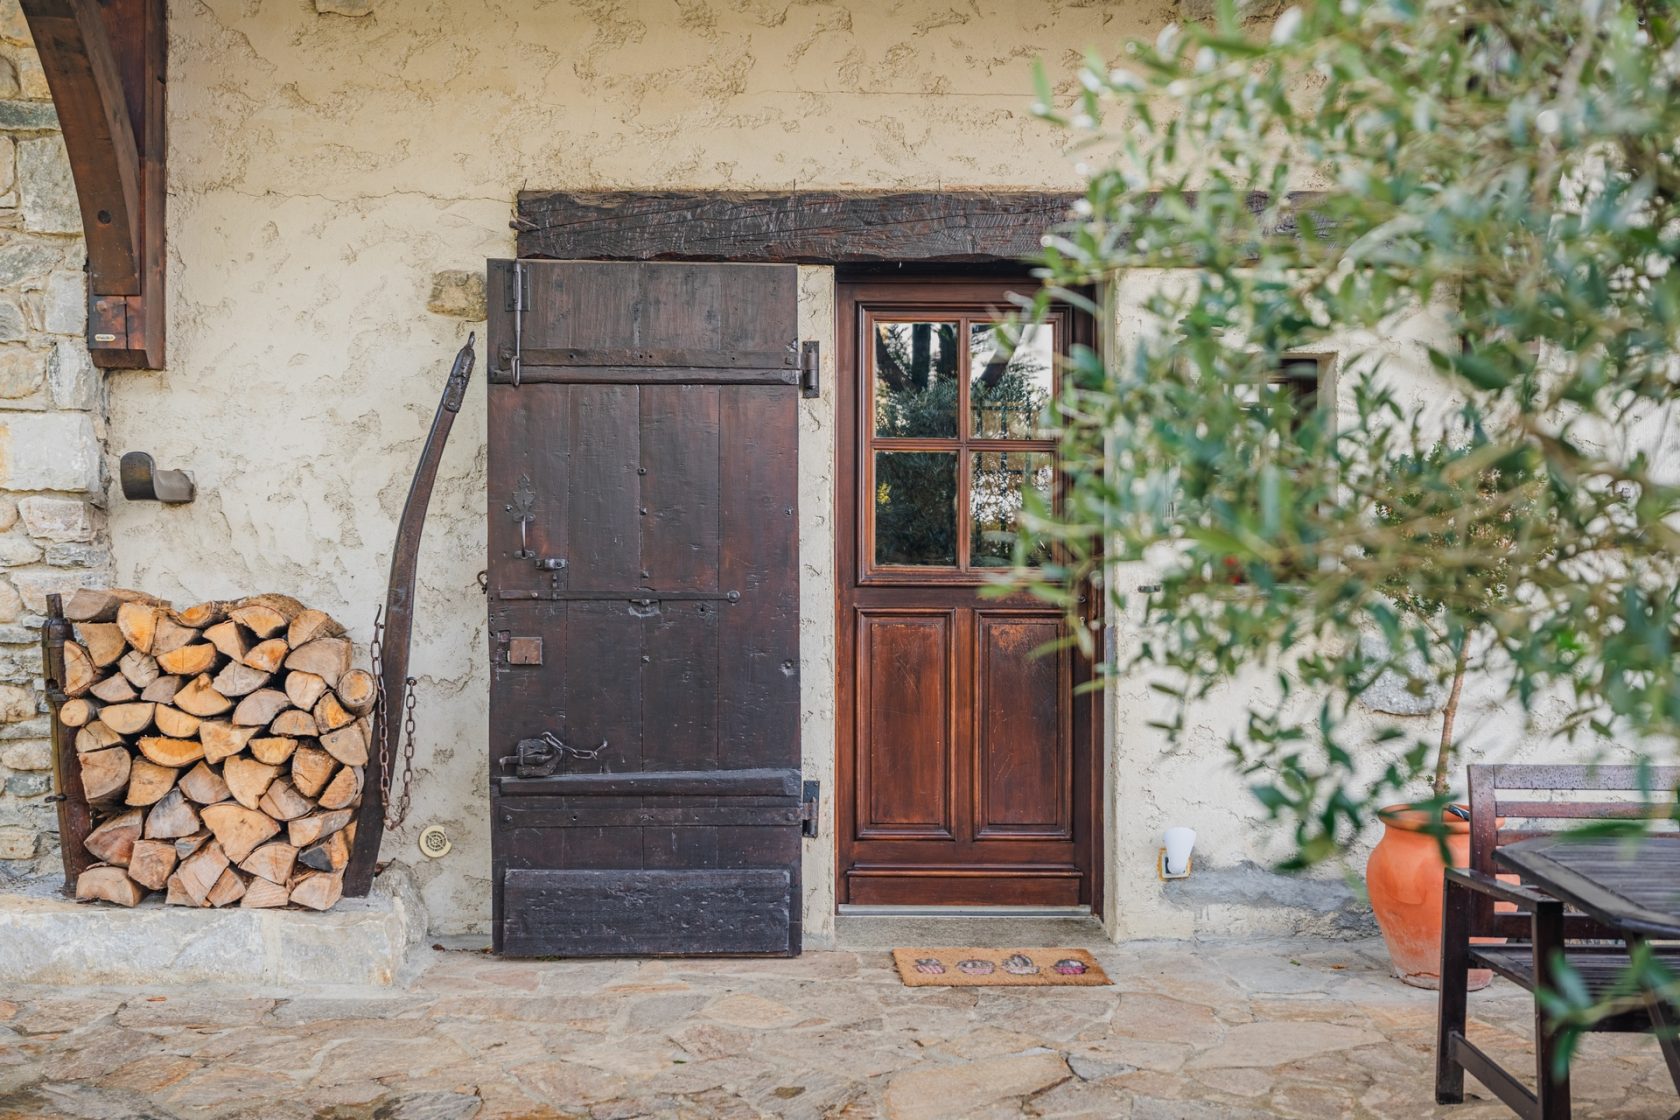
[[1403, 877]]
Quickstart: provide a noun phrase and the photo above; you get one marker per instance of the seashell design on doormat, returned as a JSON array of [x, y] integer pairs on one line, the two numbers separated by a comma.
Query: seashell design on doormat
[[975, 967], [1017, 965]]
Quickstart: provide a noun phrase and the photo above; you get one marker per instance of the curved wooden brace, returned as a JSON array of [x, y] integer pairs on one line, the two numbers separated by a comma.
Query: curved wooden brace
[[104, 61]]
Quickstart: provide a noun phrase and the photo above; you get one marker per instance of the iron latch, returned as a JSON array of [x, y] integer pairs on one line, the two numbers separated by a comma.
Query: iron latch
[[810, 368], [808, 809]]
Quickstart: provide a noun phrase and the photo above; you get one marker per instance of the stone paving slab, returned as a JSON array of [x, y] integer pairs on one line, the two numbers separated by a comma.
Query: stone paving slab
[[1307, 1030]]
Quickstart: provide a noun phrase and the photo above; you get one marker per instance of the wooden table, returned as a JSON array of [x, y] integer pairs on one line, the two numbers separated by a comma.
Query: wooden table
[[1630, 885]]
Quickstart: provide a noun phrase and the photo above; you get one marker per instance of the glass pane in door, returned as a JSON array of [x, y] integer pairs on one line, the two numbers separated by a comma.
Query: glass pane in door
[[916, 508], [916, 380], [996, 497], [1010, 390]]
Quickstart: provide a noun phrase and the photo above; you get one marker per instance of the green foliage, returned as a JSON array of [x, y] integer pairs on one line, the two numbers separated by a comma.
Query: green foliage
[[1503, 173]]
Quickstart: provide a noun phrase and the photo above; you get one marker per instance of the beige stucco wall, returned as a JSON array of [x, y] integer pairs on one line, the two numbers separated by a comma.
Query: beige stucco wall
[[324, 167]]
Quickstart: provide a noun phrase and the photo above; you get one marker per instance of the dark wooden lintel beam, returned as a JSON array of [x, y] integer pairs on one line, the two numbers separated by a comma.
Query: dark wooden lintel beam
[[104, 61], [957, 227], [800, 227]]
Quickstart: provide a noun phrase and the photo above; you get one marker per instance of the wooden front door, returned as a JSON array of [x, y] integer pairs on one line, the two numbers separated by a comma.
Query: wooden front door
[[965, 748], [643, 587]]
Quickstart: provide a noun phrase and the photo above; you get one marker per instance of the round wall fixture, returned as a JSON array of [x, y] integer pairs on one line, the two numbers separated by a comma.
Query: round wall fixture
[[434, 842]]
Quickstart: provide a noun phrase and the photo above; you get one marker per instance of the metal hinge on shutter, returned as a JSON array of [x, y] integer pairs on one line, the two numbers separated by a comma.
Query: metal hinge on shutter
[[810, 369], [808, 809], [518, 300]]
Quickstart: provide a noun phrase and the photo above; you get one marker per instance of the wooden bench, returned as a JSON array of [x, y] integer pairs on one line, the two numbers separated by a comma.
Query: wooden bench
[[1588, 918]]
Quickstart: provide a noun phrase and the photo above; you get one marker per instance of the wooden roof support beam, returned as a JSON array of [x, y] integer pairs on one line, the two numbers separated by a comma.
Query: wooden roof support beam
[[104, 61]]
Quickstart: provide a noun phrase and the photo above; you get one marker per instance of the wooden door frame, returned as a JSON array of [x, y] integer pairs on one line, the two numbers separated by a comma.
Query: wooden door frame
[[925, 233], [933, 293]]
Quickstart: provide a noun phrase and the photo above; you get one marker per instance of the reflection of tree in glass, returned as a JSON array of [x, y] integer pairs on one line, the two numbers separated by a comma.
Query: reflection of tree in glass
[[915, 507], [916, 379], [996, 500], [1010, 387]]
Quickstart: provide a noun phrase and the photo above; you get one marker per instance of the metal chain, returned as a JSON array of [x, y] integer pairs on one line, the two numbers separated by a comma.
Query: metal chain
[[396, 811]]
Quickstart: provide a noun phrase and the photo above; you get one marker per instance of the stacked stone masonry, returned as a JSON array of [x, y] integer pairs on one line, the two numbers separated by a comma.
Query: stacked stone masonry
[[52, 428]]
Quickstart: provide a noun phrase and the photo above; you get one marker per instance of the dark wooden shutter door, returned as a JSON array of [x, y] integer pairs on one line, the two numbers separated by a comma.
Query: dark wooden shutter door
[[643, 434]]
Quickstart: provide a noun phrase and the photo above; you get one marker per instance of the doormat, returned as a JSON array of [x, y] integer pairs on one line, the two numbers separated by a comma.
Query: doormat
[[976, 968]]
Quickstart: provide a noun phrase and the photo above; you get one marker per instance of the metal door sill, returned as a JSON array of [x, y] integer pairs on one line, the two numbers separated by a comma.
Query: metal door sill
[[852, 910]]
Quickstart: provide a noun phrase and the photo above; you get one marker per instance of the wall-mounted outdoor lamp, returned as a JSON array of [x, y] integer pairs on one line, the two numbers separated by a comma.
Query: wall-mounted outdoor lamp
[[1175, 856], [143, 482]]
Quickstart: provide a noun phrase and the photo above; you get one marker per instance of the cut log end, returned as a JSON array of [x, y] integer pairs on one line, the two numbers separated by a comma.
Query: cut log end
[[111, 884]]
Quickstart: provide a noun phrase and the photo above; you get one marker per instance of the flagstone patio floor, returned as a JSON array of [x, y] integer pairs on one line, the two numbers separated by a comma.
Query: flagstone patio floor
[[1234, 1031]]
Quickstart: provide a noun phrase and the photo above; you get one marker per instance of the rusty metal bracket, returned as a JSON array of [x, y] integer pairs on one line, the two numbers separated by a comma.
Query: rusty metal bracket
[[399, 624], [143, 482], [540, 757], [75, 818]]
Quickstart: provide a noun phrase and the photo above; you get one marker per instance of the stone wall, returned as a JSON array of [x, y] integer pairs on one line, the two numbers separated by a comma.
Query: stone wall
[[52, 432]]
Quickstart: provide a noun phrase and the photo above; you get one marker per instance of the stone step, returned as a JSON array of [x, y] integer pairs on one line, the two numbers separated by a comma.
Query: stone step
[[362, 942]]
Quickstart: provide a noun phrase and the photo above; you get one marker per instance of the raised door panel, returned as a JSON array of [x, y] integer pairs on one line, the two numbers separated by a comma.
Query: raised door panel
[[1023, 783], [905, 765]]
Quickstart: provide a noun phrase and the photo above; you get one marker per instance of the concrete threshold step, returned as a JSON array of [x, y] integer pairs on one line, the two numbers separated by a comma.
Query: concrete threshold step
[[46, 938]]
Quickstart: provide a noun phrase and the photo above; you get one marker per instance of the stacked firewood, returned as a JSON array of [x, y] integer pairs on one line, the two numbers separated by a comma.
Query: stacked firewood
[[221, 748]]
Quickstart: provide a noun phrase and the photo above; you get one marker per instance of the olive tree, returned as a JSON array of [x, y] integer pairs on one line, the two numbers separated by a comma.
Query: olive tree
[[1505, 170]]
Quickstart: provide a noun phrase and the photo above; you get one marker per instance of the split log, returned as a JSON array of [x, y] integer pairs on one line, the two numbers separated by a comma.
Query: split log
[[171, 636], [162, 690], [138, 622], [268, 656], [273, 749], [239, 830], [189, 661], [78, 713], [96, 736], [348, 744], [200, 615], [260, 708], [199, 871], [304, 689], [330, 714], [357, 691], [204, 785], [229, 888], [327, 658], [79, 671], [298, 725], [247, 779], [240, 680], [261, 893], [177, 894], [128, 719], [98, 604], [152, 863], [172, 818], [104, 773], [273, 861], [318, 890], [311, 768], [199, 697], [187, 845], [114, 689], [148, 783], [230, 639], [284, 803], [104, 642], [222, 739], [259, 616], [171, 752], [304, 831], [175, 723], [312, 624], [113, 841], [109, 884], [330, 854], [141, 669], [344, 790]]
